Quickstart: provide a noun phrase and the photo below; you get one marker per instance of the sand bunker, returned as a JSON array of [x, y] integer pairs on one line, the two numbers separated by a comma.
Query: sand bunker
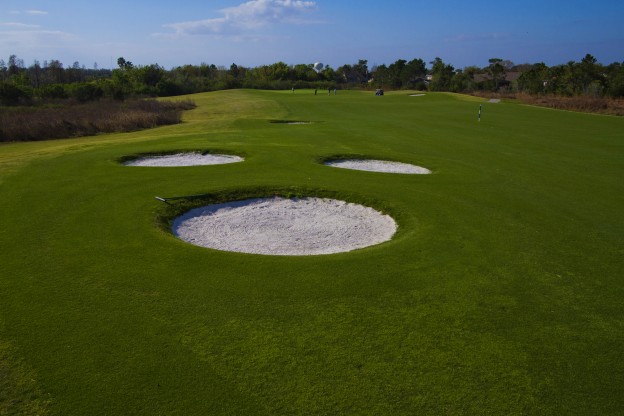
[[417, 95], [279, 226], [291, 122], [494, 100], [378, 166], [184, 159]]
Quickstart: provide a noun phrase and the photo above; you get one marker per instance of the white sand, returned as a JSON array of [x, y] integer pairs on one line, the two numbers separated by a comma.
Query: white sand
[[417, 95], [378, 166], [494, 100], [184, 159], [279, 226]]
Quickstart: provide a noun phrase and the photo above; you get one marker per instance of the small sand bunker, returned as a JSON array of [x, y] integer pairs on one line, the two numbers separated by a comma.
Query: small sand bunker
[[291, 122], [184, 159], [378, 166], [494, 100], [417, 95], [280, 226]]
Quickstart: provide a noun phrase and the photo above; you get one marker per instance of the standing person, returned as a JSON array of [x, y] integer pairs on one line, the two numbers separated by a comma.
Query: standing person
[[334, 91], [315, 90], [293, 90], [329, 91]]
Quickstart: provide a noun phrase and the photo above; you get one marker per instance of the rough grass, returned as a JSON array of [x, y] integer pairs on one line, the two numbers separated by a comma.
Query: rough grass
[[585, 104], [501, 293], [75, 120], [600, 105], [19, 390]]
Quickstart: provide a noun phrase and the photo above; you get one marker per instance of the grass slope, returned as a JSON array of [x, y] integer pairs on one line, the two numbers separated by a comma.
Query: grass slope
[[501, 293]]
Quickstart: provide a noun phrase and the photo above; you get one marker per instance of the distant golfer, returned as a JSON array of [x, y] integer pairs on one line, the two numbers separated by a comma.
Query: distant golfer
[[334, 91], [329, 91], [315, 90], [293, 90]]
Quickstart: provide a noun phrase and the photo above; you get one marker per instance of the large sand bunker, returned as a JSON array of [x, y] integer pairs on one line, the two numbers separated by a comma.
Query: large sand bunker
[[184, 159], [280, 226], [378, 166]]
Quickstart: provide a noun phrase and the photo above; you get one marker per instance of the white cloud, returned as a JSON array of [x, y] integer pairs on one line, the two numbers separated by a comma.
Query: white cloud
[[246, 17], [38, 40], [17, 25], [31, 12], [478, 37]]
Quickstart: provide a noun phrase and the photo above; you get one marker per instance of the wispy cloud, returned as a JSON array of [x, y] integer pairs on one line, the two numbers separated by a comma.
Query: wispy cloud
[[30, 12], [27, 36], [246, 17], [17, 25], [476, 37]]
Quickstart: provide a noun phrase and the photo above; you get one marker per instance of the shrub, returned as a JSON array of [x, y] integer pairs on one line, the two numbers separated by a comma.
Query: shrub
[[11, 94]]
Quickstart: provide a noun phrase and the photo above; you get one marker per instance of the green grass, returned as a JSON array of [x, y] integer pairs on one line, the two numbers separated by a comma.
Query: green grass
[[502, 292]]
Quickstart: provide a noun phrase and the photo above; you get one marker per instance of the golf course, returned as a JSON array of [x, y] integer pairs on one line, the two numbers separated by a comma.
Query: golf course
[[500, 293]]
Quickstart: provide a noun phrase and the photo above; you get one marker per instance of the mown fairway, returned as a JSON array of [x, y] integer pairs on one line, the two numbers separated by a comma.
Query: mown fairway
[[502, 293]]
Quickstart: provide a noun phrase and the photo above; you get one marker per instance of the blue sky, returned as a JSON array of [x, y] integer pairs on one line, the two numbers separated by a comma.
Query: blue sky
[[335, 32]]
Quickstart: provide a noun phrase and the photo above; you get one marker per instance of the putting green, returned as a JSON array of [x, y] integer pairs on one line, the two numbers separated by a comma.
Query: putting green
[[500, 293]]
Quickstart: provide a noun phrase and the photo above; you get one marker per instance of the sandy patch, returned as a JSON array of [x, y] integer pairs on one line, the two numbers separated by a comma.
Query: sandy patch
[[494, 100], [291, 122], [378, 166], [417, 95], [280, 226], [184, 159]]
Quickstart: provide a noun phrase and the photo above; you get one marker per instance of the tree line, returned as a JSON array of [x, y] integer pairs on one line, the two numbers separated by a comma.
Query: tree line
[[21, 84]]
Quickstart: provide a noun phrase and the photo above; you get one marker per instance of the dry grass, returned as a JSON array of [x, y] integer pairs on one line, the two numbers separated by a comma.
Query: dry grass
[[586, 104], [599, 105], [42, 123]]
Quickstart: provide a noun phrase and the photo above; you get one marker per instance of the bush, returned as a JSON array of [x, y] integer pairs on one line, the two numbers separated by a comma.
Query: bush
[[53, 91], [11, 94], [85, 92]]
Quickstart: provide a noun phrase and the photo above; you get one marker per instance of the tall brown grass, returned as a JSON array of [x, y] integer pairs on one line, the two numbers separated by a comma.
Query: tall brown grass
[[586, 104], [65, 121], [601, 105]]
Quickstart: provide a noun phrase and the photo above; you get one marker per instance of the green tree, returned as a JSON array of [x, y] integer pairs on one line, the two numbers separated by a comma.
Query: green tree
[[123, 64], [615, 80], [413, 74], [395, 70], [534, 80], [463, 81], [354, 74], [381, 76], [12, 94], [84, 92], [14, 65], [497, 71], [588, 78], [54, 72], [442, 75]]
